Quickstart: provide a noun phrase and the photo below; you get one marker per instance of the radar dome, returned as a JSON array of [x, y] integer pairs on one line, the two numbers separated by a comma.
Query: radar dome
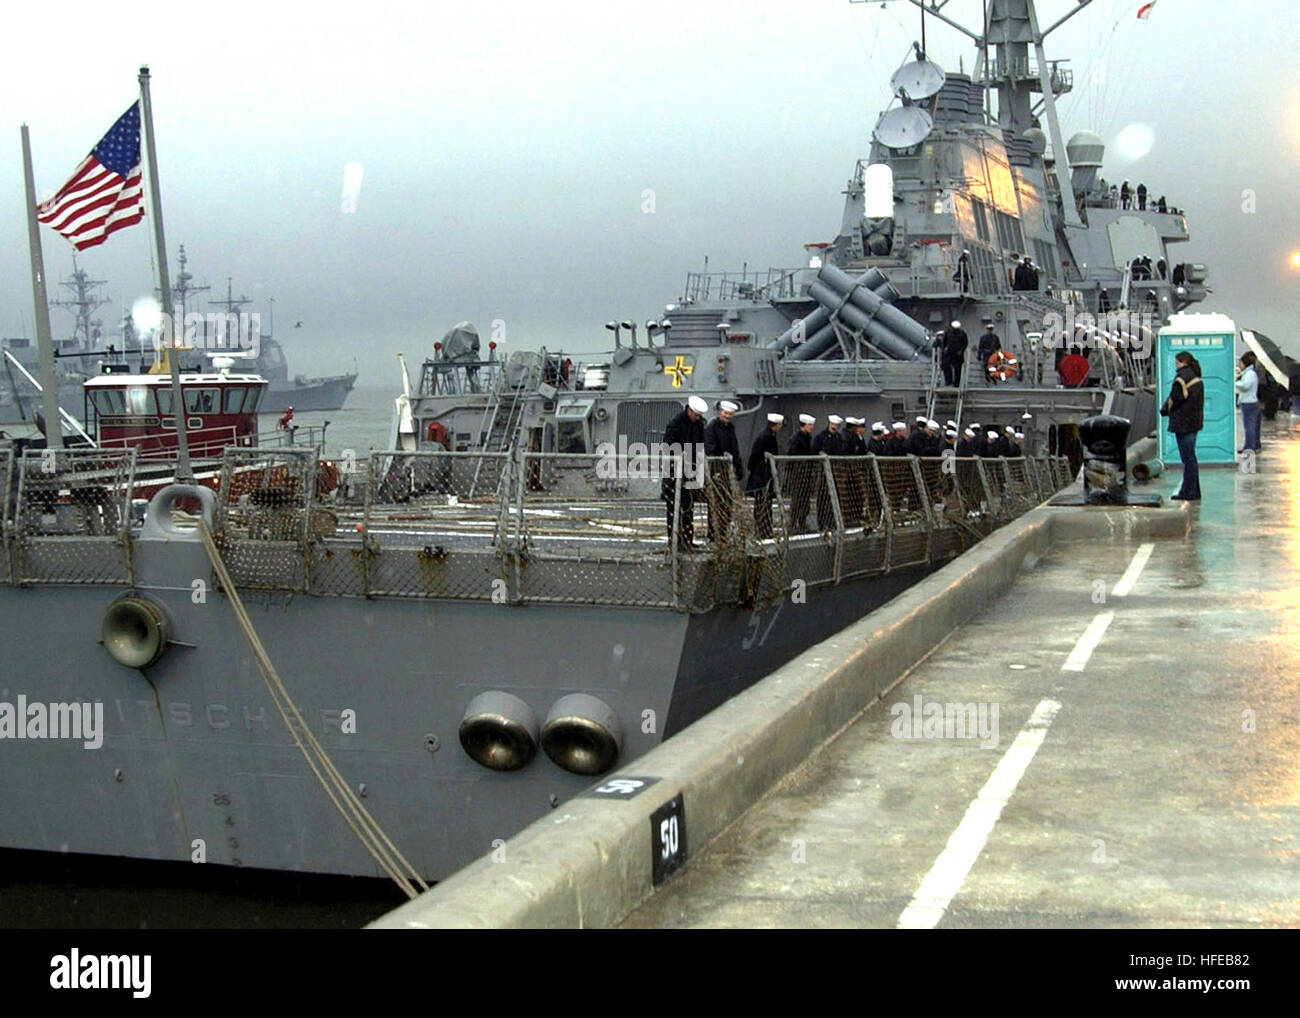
[[1037, 140], [1085, 149]]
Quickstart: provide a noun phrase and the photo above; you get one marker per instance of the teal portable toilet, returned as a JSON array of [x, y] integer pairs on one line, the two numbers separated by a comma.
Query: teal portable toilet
[[1211, 339]]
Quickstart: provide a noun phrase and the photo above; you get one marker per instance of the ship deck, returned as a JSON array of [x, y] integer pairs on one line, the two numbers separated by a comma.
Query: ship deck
[[1164, 788]]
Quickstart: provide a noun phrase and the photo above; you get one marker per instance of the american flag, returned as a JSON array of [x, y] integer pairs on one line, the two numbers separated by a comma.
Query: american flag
[[105, 193]]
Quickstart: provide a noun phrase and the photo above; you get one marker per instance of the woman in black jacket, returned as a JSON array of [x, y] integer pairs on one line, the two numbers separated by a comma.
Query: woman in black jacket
[[1185, 408]]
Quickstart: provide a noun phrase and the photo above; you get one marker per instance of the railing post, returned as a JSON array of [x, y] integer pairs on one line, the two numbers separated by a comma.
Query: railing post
[[886, 513], [989, 512], [674, 528], [371, 482], [923, 492], [834, 495]]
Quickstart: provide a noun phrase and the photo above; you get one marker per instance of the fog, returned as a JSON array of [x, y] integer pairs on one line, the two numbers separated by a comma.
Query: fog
[[509, 151]]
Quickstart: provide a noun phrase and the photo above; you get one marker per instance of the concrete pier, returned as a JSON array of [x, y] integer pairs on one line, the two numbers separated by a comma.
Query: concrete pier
[[1163, 792], [1117, 746]]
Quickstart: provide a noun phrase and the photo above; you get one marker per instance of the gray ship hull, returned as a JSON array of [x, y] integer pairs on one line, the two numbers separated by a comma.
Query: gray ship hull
[[318, 394], [195, 759]]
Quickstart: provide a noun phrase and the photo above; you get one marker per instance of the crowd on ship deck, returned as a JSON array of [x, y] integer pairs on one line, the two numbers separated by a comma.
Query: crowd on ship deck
[[842, 436]]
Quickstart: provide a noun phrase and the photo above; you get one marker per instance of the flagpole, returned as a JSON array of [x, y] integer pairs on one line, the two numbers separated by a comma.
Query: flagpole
[[184, 472], [44, 343]]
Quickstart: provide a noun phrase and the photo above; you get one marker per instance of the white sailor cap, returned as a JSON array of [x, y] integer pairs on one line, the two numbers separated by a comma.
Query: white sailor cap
[[975, 425], [989, 326], [776, 418], [835, 419], [993, 434], [921, 419], [950, 433], [1009, 430], [855, 422], [1020, 434], [900, 426], [932, 425], [950, 424], [956, 324], [969, 432], [807, 419], [698, 404], [879, 426], [726, 404]]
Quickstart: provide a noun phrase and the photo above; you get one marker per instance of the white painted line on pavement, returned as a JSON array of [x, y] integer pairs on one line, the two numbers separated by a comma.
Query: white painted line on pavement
[[949, 871], [1133, 571], [1087, 643]]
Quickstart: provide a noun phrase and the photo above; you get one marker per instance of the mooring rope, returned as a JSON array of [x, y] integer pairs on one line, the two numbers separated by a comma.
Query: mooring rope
[[340, 793]]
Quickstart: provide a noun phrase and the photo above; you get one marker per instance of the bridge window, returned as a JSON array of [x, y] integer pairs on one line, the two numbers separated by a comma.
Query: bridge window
[[138, 401], [234, 397], [109, 402], [202, 401]]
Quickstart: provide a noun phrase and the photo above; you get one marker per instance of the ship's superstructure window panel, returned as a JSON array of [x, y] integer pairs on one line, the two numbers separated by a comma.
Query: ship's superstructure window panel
[[571, 436], [234, 399], [109, 402], [138, 401], [645, 420], [981, 220], [164, 400], [202, 401]]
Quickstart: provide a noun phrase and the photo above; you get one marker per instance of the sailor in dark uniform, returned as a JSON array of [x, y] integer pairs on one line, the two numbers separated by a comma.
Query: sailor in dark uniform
[[896, 445], [850, 477], [879, 434], [917, 442], [1020, 448], [953, 344], [759, 481], [1025, 278], [1007, 442], [800, 476], [827, 442], [720, 440], [990, 446], [989, 345], [684, 438], [962, 276], [1125, 195], [966, 447], [1142, 197]]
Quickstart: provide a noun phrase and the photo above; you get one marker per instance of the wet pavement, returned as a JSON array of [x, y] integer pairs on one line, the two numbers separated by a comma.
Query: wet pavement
[[1146, 771]]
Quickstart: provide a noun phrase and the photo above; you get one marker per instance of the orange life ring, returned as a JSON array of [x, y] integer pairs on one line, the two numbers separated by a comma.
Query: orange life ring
[[1002, 366]]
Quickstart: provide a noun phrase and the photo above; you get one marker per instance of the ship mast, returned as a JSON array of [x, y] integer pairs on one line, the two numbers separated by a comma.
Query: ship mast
[[183, 286], [84, 303], [1011, 27]]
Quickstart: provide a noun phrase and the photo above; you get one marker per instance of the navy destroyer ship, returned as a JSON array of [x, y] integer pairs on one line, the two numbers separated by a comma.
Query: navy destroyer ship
[[476, 624]]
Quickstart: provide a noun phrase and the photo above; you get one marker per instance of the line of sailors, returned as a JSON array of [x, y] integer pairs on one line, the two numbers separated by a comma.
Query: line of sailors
[[842, 436]]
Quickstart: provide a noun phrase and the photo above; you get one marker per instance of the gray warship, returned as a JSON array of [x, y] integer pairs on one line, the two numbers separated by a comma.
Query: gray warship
[[75, 355], [479, 622], [303, 393]]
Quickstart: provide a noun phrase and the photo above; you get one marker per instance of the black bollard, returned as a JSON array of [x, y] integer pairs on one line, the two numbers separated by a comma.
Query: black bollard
[[1105, 459]]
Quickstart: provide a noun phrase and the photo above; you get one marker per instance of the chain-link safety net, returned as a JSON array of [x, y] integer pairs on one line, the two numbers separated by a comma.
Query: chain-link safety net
[[604, 529], [70, 516], [265, 501]]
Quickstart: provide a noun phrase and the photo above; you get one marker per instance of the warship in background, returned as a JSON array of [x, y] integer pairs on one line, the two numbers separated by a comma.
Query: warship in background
[[329, 392], [75, 357], [478, 622], [84, 354]]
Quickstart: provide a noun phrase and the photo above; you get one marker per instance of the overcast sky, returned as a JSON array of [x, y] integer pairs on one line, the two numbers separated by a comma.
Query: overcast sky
[[506, 148]]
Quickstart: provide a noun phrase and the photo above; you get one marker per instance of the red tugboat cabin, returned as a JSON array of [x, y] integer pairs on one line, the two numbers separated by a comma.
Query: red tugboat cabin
[[136, 411]]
